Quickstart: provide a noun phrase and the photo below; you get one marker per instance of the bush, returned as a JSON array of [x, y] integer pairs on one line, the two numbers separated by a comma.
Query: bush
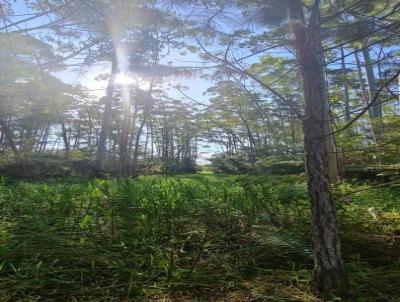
[[274, 166], [230, 164], [279, 167], [43, 166], [373, 173]]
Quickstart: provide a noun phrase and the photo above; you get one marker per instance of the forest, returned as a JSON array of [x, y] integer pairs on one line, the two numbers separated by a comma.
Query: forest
[[200, 150]]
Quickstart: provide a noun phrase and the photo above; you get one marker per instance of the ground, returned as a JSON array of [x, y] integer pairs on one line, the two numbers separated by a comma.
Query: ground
[[198, 237]]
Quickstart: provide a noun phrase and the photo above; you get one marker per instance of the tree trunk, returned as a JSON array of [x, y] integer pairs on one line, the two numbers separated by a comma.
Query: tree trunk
[[43, 142], [328, 272], [78, 135], [152, 140], [364, 92], [345, 86], [123, 145], [376, 110], [64, 135], [137, 140], [332, 163], [9, 137], [105, 125], [146, 141]]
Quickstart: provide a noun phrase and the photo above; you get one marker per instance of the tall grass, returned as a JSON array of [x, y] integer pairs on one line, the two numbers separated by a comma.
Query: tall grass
[[108, 240]]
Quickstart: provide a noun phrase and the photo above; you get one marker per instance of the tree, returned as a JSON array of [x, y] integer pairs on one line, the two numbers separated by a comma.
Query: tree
[[329, 273], [320, 153]]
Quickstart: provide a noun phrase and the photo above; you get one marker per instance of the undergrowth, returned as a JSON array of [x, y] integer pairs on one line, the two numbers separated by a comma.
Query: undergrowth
[[187, 238]]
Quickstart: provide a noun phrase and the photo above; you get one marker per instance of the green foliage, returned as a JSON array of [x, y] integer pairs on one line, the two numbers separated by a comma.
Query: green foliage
[[129, 235], [79, 164], [274, 166], [45, 166], [278, 167], [372, 173], [230, 164], [105, 240]]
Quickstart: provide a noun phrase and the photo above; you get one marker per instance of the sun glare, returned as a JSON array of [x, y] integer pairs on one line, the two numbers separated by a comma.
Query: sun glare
[[124, 79]]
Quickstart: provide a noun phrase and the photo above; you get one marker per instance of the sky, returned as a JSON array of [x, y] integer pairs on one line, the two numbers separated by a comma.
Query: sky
[[87, 78]]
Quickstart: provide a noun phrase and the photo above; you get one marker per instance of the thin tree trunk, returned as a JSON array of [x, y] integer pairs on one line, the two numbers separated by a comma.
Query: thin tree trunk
[[345, 87], [146, 141], [364, 92], [152, 140], [64, 135], [376, 110], [43, 144], [107, 114], [90, 134], [250, 136], [133, 128], [328, 274], [138, 134], [123, 146], [9, 137], [78, 135]]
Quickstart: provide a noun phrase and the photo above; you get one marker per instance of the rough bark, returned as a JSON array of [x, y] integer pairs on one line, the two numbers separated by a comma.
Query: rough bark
[[328, 274], [332, 164]]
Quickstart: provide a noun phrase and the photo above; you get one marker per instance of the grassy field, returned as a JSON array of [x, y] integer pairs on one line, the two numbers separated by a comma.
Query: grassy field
[[195, 237]]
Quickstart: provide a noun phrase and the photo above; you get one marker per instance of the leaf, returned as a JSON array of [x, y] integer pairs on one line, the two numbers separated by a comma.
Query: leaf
[[2, 265], [85, 222], [39, 265]]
